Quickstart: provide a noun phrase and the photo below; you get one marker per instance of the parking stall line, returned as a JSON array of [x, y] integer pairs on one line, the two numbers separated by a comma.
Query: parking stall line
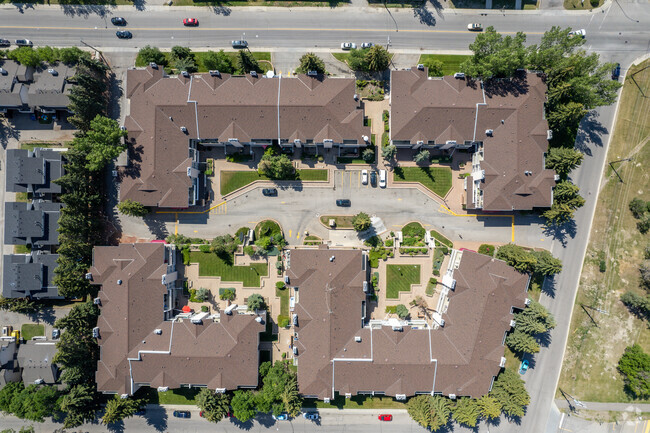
[[289, 233]]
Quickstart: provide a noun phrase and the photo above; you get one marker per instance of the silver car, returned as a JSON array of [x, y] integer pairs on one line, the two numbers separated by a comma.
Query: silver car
[[367, 45], [348, 46]]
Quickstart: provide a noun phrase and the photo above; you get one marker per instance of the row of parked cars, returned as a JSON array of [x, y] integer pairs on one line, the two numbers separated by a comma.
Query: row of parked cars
[[19, 42], [281, 417]]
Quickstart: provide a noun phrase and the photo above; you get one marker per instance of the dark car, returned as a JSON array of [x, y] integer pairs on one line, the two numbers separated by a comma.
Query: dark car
[[190, 22], [616, 71], [181, 414], [373, 178], [5, 42], [270, 192], [24, 42], [239, 44], [123, 34], [343, 202], [118, 21]]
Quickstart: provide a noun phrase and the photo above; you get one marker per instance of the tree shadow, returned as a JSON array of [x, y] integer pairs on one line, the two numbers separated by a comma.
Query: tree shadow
[[44, 315], [158, 422], [85, 10], [247, 425], [221, 10], [544, 339], [515, 86], [117, 427], [561, 232], [548, 287], [8, 132], [140, 5], [591, 132], [156, 226]]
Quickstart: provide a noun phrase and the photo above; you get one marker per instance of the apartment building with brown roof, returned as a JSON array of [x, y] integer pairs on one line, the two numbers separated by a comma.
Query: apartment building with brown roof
[[145, 339], [171, 118], [340, 351], [501, 121]]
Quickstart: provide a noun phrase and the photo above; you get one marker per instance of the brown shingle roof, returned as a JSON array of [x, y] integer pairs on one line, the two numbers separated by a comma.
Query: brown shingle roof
[[220, 354], [451, 109], [461, 358]]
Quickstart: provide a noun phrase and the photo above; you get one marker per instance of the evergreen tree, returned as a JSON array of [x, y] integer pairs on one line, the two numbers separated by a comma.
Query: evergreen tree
[[79, 405], [246, 62], [377, 59], [517, 257], [466, 411], [255, 302], [419, 409], [440, 411], [422, 156], [89, 96], [361, 221], [563, 160], [489, 406], [510, 392], [311, 62], [132, 208], [546, 264], [215, 406], [521, 342], [149, 54], [495, 55], [389, 151], [218, 61]]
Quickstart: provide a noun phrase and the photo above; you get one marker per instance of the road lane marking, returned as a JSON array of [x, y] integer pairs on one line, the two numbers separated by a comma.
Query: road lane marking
[[289, 233], [283, 202], [647, 427], [399, 199], [445, 209], [298, 235]]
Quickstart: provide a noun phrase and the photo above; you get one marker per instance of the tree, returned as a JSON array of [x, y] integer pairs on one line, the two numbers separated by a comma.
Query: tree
[[71, 55], [495, 55], [89, 96], [132, 208], [440, 412], [377, 59], [33, 403], [466, 412], [510, 392], [368, 155], [357, 60], [250, 250], [546, 264], [402, 311], [639, 305], [422, 156], [644, 269], [634, 365], [224, 246], [79, 405], [215, 406], [291, 399], [517, 257], [566, 200], [202, 294], [26, 56], [638, 207], [119, 408], [535, 319], [264, 244], [101, 143], [149, 54], [186, 64], [227, 295], [435, 67], [255, 302], [361, 221], [311, 62], [389, 151], [276, 166], [420, 409], [180, 52], [243, 405], [489, 406], [520, 341], [565, 118], [218, 61], [48, 54], [563, 160], [246, 62]]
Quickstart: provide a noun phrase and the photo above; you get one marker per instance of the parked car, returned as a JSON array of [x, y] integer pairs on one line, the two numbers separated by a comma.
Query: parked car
[[118, 21], [382, 178], [348, 46], [459, 75], [343, 202], [311, 415], [6, 330], [582, 33], [367, 45], [524, 367], [281, 417], [182, 414], [5, 42], [385, 417], [373, 178], [270, 192], [190, 22], [364, 177], [16, 334], [616, 71], [55, 334], [239, 44], [24, 42], [475, 27], [123, 34]]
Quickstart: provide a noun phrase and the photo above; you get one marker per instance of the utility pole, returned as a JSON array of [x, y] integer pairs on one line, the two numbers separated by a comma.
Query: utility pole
[[100, 54]]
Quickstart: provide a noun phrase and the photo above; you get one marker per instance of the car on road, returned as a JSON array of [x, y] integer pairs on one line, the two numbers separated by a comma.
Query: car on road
[[343, 202], [123, 34], [24, 42], [367, 45], [270, 192], [382, 178], [182, 414], [364, 177], [582, 33], [475, 27], [6, 330], [373, 178], [311, 415], [616, 71], [281, 417], [190, 22], [55, 334], [239, 44], [348, 46], [385, 417], [524, 367], [5, 42], [118, 21]]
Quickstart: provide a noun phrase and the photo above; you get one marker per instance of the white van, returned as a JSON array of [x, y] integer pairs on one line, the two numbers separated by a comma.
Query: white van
[[382, 178]]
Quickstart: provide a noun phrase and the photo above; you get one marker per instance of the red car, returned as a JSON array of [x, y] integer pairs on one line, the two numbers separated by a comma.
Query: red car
[[385, 417], [190, 22]]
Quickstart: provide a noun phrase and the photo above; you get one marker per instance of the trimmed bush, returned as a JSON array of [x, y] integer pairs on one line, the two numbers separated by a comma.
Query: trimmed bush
[[283, 321], [486, 249]]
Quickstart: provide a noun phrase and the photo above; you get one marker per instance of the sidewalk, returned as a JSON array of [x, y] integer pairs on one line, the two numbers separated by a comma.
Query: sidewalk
[[614, 407]]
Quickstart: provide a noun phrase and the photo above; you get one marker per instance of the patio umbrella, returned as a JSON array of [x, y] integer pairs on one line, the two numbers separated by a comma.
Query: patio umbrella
[[186, 309]]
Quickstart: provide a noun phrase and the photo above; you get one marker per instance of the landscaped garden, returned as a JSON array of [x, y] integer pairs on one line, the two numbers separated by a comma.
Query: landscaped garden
[[30, 330], [441, 239], [211, 265], [399, 278], [436, 179], [378, 251], [341, 221], [233, 180], [413, 239]]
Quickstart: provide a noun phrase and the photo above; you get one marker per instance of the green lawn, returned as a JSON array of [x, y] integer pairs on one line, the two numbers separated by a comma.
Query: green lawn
[[342, 221], [399, 279], [437, 179], [211, 265], [263, 57], [22, 249], [35, 144], [233, 180], [451, 62], [283, 294], [356, 402], [29, 330], [267, 228], [173, 396], [440, 238]]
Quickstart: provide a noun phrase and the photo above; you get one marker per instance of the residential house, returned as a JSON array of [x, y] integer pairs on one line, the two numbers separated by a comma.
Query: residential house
[[34, 171], [501, 122], [9, 371], [35, 360], [146, 340], [14, 86], [29, 275], [51, 88], [34, 224]]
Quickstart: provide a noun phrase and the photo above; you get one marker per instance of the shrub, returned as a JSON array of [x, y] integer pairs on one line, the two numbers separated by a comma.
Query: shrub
[[283, 321], [389, 242], [202, 295], [602, 266], [228, 295], [204, 308], [402, 311], [280, 284], [150, 54], [185, 251], [204, 248], [249, 250], [486, 249], [634, 365]]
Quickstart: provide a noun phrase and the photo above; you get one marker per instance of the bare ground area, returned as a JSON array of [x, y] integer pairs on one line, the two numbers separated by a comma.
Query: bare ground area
[[602, 326]]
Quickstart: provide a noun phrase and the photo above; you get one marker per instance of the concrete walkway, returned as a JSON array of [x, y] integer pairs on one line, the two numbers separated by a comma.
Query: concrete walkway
[[615, 407]]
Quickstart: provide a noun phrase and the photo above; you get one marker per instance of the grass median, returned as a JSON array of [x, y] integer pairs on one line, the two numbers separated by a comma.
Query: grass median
[[233, 180]]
